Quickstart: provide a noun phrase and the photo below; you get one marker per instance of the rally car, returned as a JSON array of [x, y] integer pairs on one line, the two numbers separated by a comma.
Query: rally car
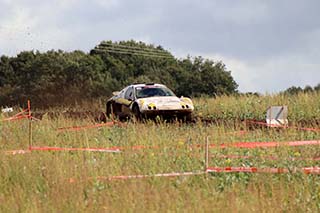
[[148, 101]]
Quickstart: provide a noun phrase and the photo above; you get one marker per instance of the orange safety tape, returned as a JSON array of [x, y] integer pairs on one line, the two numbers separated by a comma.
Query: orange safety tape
[[265, 157], [126, 177], [15, 118], [283, 126], [249, 145], [20, 117], [238, 145], [23, 111], [16, 152], [306, 170], [214, 156], [46, 148]]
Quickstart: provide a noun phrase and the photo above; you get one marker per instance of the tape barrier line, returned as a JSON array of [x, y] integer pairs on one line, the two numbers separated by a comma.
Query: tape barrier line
[[283, 126], [78, 128], [214, 156], [127, 177], [135, 148], [265, 157], [249, 145], [17, 152], [17, 116], [306, 170], [252, 145], [47, 148], [13, 118]]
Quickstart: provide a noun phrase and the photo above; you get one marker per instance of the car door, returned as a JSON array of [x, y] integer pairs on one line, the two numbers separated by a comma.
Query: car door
[[128, 100]]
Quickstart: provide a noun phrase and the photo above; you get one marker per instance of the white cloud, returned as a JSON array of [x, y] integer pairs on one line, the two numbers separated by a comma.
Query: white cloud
[[270, 75], [241, 71], [267, 45], [107, 4]]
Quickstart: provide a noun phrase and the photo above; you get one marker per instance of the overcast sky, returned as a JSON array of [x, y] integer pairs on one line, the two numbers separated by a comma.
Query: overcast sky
[[268, 45]]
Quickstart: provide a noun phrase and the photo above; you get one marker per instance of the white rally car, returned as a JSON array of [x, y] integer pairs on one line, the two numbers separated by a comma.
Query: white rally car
[[148, 101]]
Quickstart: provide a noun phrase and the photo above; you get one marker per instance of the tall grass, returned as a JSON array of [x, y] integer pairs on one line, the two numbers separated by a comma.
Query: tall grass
[[40, 181], [301, 107]]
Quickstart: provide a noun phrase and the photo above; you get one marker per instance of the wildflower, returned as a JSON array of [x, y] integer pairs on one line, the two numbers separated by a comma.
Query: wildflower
[[228, 161], [297, 154]]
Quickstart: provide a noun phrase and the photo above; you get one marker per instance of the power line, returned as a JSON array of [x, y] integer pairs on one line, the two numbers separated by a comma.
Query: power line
[[146, 54], [105, 44], [126, 49], [136, 51]]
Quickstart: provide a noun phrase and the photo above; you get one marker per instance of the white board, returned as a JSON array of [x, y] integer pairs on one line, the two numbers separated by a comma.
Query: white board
[[277, 115]]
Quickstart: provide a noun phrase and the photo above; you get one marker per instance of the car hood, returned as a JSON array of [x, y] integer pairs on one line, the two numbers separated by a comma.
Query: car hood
[[160, 100]]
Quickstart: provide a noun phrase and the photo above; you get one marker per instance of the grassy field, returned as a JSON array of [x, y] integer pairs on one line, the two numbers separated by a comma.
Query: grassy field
[[301, 107], [41, 181]]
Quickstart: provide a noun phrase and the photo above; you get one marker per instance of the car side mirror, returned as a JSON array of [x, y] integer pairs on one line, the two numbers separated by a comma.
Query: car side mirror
[[115, 93]]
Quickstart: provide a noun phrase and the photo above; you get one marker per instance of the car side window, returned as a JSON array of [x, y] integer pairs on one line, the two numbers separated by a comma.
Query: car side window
[[129, 94], [121, 93]]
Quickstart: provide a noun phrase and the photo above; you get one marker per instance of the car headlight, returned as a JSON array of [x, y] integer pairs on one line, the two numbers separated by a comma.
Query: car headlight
[[152, 106], [184, 105]]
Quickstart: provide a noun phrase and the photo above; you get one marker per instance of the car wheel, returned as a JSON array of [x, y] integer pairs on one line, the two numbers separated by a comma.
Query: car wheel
[[136, 112], [188, 118], [102, 117], [109, 110]]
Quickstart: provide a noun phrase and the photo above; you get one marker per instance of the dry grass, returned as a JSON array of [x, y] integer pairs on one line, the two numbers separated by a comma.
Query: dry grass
[[40, 181], [301, 107]]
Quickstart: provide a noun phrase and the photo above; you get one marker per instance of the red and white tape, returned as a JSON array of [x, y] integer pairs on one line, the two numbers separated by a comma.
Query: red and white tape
[[17, 152], [252, 145], [306, 170], [47, 148], [283, 126], [127, 177], [248, 145], [265, 157]]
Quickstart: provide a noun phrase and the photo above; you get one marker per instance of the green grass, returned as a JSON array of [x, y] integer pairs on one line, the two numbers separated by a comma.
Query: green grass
[[301, 107], [40, 181]]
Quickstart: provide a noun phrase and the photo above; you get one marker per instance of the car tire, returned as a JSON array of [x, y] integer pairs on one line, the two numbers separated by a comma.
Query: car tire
[[136, 112], [109, 110], [102, 117], [189, 117]]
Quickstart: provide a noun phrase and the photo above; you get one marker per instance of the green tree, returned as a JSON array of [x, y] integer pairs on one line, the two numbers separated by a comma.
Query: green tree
[[59, 77]]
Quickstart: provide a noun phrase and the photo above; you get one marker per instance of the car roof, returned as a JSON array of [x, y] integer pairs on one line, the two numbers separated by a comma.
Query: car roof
[[148, 84]]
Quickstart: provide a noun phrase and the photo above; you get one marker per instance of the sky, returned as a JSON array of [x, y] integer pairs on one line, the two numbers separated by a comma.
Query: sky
[[268, 45]]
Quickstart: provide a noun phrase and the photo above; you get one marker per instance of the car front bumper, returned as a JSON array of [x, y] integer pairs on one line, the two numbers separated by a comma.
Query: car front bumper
[[167, 113]]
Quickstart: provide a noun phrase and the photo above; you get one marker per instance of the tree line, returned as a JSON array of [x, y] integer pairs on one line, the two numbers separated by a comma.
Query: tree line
[[57, 77], [293, 90]]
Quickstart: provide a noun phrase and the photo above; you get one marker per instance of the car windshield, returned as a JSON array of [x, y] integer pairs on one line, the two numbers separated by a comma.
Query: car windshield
[[145, 92]]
